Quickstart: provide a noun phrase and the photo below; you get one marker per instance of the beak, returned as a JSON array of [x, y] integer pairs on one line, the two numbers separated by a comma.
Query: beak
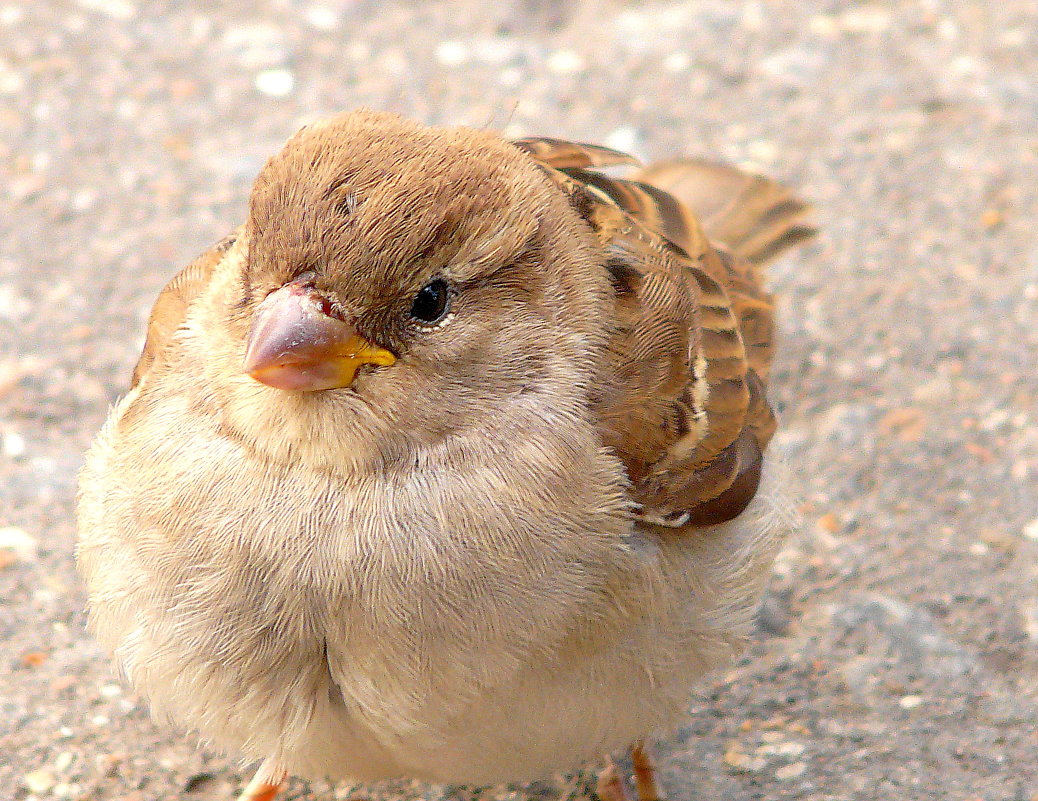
[[295, 344]]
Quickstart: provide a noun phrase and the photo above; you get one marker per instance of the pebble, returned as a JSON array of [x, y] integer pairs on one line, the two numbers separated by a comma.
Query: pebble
[[1031, 530], [39, 781], [676, 62], [13, 445], [13, 304], [762, 150], [743, 761], [785, 749], [11, 15], [11, 81], [909, 701], [452, 53], [565, 62], [624, 139], [790, 771], [323, 18], [19, 542], [275, 82]]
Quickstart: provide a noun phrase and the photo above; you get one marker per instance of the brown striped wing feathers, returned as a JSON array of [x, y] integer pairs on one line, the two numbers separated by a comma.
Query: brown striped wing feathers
[[685, 406]]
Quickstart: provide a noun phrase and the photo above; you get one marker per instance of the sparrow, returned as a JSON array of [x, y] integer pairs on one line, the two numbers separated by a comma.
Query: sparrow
[[448, 463]]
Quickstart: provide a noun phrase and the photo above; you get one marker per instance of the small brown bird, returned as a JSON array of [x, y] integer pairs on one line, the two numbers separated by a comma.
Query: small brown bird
[[448, 463]]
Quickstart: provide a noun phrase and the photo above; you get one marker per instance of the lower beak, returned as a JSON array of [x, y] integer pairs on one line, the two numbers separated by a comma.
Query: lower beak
[[295, 344]]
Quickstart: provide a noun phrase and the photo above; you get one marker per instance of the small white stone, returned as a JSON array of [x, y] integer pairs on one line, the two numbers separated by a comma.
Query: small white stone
[[11, 81], [948, 29], [1031, 530], [323, 18], [452, 53], [786, 749], [11, 15], [100, 720], [624, 139], [979, 548], [13, 304], [676, 62], [83, 199], [909, 701], [111, 690], [790, 771], [65, 732], [752, 16], [116, 9], [38, 781], [965, 65], [565, 62], [14, 445], [19, 542], [762, 150], [276, 82]]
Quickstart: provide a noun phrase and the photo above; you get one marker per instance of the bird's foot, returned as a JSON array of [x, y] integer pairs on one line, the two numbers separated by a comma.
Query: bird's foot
[[611, 786], [266, 783], [644, 774]]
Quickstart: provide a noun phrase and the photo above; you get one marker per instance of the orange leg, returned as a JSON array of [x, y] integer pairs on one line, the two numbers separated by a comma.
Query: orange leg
[[644, 773], [265, 784]]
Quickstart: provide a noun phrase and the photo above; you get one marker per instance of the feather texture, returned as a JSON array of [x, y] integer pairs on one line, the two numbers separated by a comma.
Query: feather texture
[[683, 241]]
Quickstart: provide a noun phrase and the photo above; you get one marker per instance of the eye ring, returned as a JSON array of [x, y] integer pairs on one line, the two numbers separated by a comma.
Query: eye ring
[[432, 303]]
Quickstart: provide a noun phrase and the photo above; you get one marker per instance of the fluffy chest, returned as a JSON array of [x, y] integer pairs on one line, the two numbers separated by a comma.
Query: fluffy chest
[[391, 586]]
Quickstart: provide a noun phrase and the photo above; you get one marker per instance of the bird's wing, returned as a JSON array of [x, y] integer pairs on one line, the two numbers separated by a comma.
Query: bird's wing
[[170, 309], [685, 404]]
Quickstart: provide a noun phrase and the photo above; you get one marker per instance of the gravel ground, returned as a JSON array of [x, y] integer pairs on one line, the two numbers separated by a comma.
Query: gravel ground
[[897, 650]]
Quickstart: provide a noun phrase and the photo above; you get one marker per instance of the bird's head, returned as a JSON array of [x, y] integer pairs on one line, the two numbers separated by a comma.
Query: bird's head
[[431, 278]]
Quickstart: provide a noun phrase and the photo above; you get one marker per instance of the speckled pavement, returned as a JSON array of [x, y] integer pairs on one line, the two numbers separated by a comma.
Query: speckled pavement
[[896, 655]]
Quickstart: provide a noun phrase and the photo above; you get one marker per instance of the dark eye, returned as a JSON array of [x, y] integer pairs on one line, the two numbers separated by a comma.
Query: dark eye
[[431, 302]]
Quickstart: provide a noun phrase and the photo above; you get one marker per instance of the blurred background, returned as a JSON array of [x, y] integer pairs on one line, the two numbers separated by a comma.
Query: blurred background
[[896, 653]]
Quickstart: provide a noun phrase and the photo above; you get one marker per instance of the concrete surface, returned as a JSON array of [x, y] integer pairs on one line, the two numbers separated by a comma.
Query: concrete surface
[[897, 652]]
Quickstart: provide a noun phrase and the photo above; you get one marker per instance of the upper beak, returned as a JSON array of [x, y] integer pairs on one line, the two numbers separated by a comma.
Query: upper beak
[[295, 344]]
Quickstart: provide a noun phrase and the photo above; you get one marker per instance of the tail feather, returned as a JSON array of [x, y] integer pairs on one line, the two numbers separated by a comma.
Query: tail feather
[[755, 217]]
